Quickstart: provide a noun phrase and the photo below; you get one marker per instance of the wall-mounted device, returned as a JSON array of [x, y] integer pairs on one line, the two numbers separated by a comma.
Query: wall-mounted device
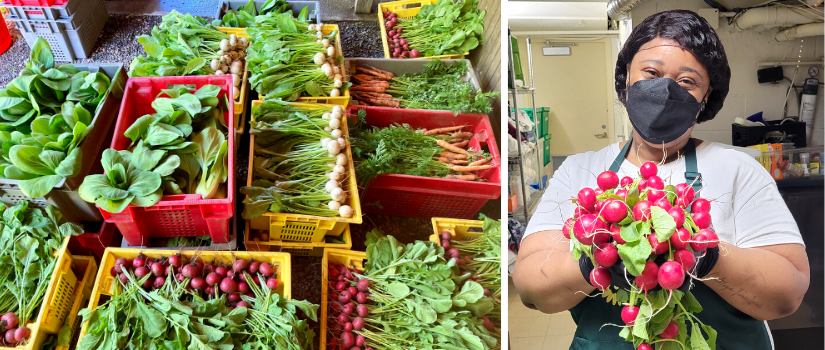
[[770, 75], [808, 104], [556, 51]]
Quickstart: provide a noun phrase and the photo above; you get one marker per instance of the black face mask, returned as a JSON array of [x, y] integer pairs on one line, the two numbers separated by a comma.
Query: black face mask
[[660, 110]]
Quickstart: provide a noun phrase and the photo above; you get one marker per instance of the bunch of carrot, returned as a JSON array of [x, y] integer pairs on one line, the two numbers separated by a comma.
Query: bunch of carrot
[[371, 88], [456, 155]]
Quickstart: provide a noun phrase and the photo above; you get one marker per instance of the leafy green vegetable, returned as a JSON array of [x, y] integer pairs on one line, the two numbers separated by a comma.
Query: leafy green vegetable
[[447, 27], [45, 114], [244, 16]]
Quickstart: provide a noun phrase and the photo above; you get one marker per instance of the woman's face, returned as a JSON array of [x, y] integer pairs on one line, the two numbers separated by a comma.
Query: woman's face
[[665, 58]]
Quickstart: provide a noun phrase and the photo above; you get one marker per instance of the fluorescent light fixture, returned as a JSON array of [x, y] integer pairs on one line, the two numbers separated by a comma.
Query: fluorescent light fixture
[[556, 51]]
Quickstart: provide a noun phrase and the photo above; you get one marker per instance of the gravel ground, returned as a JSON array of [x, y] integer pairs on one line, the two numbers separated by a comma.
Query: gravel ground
[[361, 39]]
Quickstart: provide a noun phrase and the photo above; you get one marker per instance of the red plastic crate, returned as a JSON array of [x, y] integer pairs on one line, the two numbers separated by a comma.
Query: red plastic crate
[[175, 215], [427, 197], [44, 3], [95, 243]]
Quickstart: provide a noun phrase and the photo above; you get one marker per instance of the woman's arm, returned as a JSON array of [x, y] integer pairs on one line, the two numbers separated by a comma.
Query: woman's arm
[[765, 282], [546, 275]]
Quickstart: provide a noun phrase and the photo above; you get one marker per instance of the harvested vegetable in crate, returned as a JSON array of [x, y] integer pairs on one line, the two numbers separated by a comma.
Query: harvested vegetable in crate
[[45, 115], [400, 149], [448, 27], [186, 45], [244, 16], [407, 297], [167, 303], [181, 149], [291, 58], [30, 238], [439, 87], [300, 161]]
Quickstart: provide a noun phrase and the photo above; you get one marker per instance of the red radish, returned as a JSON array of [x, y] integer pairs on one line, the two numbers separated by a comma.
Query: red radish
[[488, 324], [601, 236], [644, 346], [358, 323], [641, 212], [606, 255], [648, 169], [454, 253], [139, 261], [446, 236], [148, 283], [678, 215], [174, 260], [614, 211], [680, 202], [199, 268], [680, 238], [344, 297], [22, 333], [221, 271], [686, 192], [405, 46], [228, 285], [403, 42], [266, 269], [580, 211], [671, 275], [700, 205], [600, 278], [670, 332], [209, 290], [341, 285], [655, 183], [607, 180], [10, 320], [622, 193], [649, 277], [585, 228], [157, 269], [487, 293], [123, 278], [233, 298], [659, 248], [239, 265], [642, 185], [587, 198], [272, 283], [189, 271], [685, 258], [213, 279], [663, 203], [362, 310], [414, 53], [243, 288], [348, 327], [565, 230], [119, 263], [347, 340], [702, 219], [629, 313], [112, 271], [626, 181], [352, 291], [348, 309], [360, 340], [141, 271], [197, 283], [655, 195], [699, 243], [598, 192], [242, 304], [616, 233], [10, 337], [253, 267], [711, 238], [159, 282], [445, 244], [363, 285], [391, 33]]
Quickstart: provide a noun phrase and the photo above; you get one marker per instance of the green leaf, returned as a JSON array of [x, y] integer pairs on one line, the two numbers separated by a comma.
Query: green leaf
[[64, 336], [193, 65], [425, 313], [212, 333], [398, 290], [469, 44], [236, 316], [89, 190], [641, 322], [470, 293], [143, 183], [69, 229], [697, 341], [630, 234], [168, 166], [670, 191], [140, 127], [309, 309], [145, 158], [711, 336], [154, 324], [632, 197], [663, 223], [691, 304], [634, 255], [42, 54], [114, 206], [70, 166], [314, 89], [625, 333], [39, 187], [148, 201]]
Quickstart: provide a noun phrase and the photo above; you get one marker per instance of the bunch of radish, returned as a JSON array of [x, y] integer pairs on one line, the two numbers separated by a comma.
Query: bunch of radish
[[13, 332], [348, 299], [326, 61], [657, 232], [399, 48], [211, 279], [231, 61]]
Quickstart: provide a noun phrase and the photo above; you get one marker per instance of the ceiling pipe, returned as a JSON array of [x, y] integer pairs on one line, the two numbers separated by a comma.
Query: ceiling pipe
[[616, 8], [771, 16], [800, 31]]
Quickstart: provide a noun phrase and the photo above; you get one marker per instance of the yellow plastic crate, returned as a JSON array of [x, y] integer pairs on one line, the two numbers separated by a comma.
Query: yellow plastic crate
[[82, 298], [240, 103], [335, 256], [460, 229], [296, 248], [307, 228], [60, 298], [105, 284], [342, 100], [405, 9]]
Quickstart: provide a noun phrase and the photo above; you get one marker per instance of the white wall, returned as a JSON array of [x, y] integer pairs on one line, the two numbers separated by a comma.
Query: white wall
[[744, 51]]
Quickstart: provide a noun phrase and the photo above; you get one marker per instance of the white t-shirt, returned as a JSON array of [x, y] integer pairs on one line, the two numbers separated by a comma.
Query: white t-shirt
[[746, 209]]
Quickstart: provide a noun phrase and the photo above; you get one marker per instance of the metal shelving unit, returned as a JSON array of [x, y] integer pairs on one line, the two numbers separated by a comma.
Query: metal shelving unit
[[530, 202]]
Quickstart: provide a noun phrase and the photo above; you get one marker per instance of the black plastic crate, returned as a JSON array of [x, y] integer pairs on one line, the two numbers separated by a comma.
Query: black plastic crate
[[793, 132]]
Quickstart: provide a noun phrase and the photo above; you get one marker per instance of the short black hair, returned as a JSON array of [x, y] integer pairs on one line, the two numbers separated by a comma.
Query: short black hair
[[694, 34]]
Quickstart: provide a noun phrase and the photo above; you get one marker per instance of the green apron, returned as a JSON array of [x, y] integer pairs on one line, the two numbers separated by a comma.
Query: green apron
[[737, 331]]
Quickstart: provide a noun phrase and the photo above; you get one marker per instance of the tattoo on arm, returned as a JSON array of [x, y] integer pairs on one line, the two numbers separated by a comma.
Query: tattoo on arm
[[741, 293]]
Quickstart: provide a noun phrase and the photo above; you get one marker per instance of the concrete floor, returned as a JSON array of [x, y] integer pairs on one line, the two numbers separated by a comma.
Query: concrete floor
[[331, 10]]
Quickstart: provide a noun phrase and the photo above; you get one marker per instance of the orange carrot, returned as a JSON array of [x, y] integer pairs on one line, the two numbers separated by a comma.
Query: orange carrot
[[480, 162], [471, 168], [451, 148], [461, 144], [442, 130], [470, 177], [452, 155], [368, 88], [459, 140], [463, 135]]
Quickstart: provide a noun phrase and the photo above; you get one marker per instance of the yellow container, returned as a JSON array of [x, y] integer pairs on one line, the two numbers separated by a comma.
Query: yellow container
[[296, 248], [87, 264], [462, 230], [405, 9], [307, 228], [240, 103], [342, 100], [348, 258], [61, 296]]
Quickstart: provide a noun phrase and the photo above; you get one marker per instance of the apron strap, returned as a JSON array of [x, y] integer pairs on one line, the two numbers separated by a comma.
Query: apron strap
[[692, 174]]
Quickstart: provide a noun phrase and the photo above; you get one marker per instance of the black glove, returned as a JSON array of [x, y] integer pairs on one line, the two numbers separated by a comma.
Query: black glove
[[705, 262]]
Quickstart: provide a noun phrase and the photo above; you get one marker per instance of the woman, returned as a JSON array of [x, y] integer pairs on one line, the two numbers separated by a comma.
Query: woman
[[672, 73]]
